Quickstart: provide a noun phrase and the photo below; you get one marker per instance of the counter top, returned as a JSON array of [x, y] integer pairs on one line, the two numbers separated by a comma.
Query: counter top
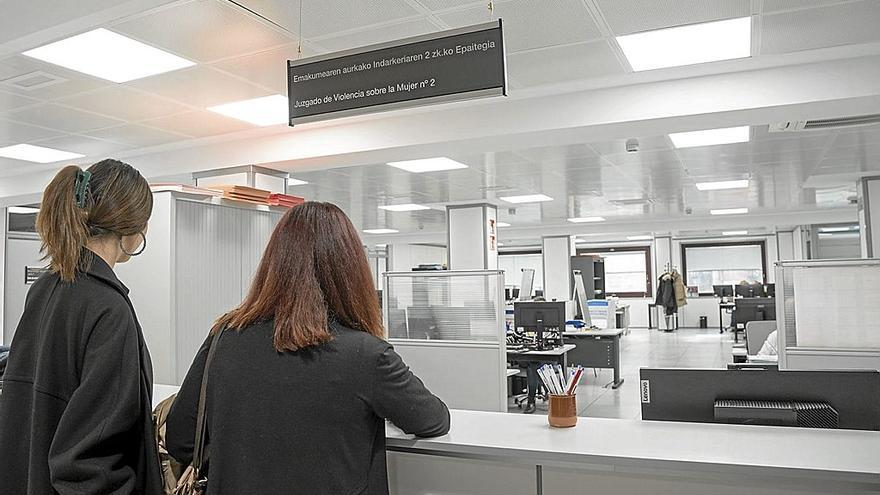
[[596, 443]]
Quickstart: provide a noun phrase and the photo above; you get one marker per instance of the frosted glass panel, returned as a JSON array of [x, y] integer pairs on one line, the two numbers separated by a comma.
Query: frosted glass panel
[[723, 265], [513, 264], [453, 306], [837, 306]]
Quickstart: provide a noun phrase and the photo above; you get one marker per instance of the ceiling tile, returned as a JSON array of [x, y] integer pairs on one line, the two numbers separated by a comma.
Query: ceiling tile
[[11, 101], [323, 18], [631, 16], [616, 146], [843, 24], [268, 69], [16, 132], [90, 147], [200, 86], [529, 24], [62, 118], [382, 34], [776, 5], [563, 63], [436, 5], [199, 124], [137, 136], [203, 30], [70, 82], [124, 104]]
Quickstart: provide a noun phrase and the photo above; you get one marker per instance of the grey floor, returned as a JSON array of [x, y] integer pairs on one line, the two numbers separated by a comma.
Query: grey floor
[[684, 348]]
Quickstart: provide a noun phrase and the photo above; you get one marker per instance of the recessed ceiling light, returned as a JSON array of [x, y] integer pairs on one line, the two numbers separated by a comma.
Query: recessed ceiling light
[[580, 241], [687, 45], [380, 231], [23, 210], [735, 232], [639, 237], [262, 111], [428, 165], [381, 245], [837, 229], [108, 55], [526, 198], [37, 154], [726, 184], [503, 224], [406, 207], [824, 234], [729, 211], [500, 244], [586, 219], [710, 137], [296, 182]]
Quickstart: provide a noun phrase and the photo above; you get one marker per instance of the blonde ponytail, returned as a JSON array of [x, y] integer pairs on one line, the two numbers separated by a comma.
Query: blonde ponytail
[[63, 224]]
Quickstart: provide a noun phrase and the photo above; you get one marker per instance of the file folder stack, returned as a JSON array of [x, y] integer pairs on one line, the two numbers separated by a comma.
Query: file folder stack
[[285, 200]]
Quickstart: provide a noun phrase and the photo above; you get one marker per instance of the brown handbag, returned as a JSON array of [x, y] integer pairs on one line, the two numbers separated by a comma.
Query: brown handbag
[[193, 481]]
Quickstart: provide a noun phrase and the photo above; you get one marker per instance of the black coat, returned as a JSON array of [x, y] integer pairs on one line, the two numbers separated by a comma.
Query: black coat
[[308, 422], [75, 408]]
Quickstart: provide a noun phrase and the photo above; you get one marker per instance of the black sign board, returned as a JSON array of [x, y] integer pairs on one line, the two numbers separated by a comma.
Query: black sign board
[[453, 65]]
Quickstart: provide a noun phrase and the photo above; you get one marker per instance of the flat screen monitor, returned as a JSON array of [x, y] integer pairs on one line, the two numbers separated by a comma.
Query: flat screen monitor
[[679, 394], [770, 290], [722, 290], [754, 309], [749, 290], [530, 314]]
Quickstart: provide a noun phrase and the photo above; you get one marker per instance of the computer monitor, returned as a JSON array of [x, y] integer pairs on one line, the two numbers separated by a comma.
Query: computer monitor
[[749, 290], [770, 290], [540, 317], [692, 395], [514, 293], [722, 290], [754, 309]]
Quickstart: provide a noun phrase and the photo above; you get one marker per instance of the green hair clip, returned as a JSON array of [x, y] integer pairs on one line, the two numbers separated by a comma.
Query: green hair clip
[[81, 187]]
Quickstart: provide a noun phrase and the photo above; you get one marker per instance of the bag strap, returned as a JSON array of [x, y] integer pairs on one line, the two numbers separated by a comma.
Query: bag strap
[[199, 446]]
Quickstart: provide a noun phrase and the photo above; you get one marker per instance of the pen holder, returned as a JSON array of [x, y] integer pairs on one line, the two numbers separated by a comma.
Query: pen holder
[[563, 411]]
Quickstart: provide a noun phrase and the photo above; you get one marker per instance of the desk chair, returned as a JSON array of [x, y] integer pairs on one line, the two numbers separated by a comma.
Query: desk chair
[[756, 334]]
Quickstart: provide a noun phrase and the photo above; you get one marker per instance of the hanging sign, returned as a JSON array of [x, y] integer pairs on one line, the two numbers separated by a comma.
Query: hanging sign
[[452, 65]]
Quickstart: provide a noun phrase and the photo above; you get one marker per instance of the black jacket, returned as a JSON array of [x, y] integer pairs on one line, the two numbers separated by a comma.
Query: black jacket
[[308, 422], [75, 408], [666, 295]]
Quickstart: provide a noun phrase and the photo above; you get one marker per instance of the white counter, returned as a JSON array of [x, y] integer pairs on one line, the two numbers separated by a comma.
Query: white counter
[[772, 458]]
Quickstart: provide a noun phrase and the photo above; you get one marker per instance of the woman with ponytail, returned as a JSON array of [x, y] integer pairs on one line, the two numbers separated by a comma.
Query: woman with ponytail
[[77, 392]]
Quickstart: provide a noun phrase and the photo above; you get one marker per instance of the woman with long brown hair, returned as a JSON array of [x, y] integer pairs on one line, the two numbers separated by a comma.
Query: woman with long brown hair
[[301, 378], [75, 409]]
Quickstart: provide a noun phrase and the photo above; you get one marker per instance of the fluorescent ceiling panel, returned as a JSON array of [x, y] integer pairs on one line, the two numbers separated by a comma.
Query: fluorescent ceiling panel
[[726, 184], [838, 229], [262, 111], [688, 45], [428, 165], [108, 55], [710, 137], [503, 224], [22, 210], [380, 231], [526, 198], [37, 154], [586, 219], [580, 241], [639, 237], [729, 211], [296, 182], [406, 207], [735, 232]]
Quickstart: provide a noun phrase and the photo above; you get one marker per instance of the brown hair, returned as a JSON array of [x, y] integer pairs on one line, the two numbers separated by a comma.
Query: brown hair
[[115, 200], [314, 269]]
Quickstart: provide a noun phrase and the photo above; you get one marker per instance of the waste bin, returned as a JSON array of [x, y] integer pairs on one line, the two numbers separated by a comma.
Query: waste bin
[[704, 322]]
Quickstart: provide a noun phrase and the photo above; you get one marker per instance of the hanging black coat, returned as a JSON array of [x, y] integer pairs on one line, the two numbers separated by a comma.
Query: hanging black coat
[[666, 295], [76, 402]]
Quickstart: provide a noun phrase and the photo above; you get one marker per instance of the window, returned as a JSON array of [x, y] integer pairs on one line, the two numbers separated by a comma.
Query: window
[[705, 265], [627, 270], [513, 263]]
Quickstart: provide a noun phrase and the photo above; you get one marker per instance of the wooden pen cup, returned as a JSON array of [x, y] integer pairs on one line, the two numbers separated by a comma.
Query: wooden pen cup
[[563, 411]]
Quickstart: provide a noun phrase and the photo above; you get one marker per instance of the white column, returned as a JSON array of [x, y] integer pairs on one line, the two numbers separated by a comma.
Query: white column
[[2, 271], [662, 255], [472, 236], [869, 216], [785, 246], [556, 253]]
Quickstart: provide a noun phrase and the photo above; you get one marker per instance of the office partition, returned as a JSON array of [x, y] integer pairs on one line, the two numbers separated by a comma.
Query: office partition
[[448, 326]]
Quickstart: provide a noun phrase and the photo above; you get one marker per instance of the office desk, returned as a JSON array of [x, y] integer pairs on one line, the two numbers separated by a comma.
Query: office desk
[[721, 307], [558, 355], [597, 349], [499, 453]]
